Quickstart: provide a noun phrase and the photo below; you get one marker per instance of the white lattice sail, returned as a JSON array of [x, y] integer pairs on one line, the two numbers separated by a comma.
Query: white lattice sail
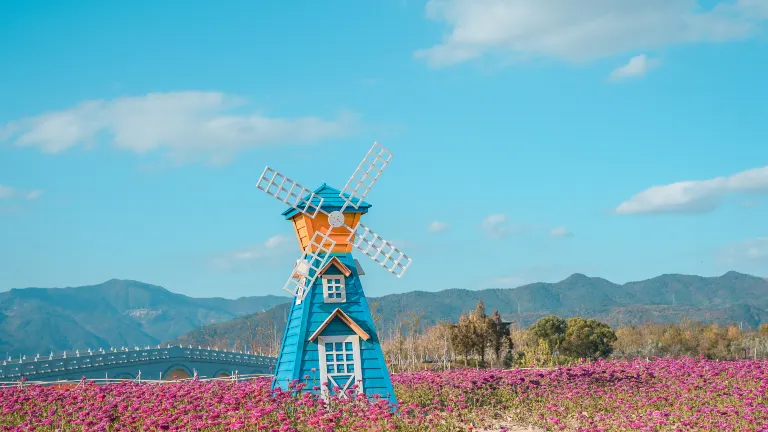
[[380, 250], [289, 192], [359, 185]]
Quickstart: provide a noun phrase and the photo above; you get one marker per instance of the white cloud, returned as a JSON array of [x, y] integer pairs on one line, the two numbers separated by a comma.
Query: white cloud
[[508, 282], [7, 192], [560, 231], [437, 226], [754, 251], [695, 195], [33, 195], [583, 30], [755, 8], [495, 226], [637, 67], [274, 247], [186, 124]]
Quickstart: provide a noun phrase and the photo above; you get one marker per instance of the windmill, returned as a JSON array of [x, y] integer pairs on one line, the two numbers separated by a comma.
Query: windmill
[[330, 334]]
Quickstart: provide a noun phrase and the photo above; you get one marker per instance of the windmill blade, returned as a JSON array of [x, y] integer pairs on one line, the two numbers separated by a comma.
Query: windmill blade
[[289, 192], [316, 256], [380, 250], [365, 175]]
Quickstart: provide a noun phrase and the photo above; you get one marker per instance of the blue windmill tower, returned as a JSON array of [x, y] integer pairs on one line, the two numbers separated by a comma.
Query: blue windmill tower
[[330, 334]]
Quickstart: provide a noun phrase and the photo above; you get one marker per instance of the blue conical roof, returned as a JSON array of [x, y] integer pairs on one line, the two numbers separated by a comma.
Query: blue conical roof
[[332, 201]]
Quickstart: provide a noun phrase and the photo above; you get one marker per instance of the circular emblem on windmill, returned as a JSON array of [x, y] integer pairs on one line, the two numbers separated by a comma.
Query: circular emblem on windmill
[[336, 219]]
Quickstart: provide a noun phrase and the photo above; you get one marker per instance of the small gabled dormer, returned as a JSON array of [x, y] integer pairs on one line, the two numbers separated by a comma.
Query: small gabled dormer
[[333, 277]]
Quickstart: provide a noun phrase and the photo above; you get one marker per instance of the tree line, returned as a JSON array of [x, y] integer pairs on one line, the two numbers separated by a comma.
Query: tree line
[[480, 340], [692, 339]]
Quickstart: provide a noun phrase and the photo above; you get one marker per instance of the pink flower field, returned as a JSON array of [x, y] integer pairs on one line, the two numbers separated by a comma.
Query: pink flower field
[[660, 395]]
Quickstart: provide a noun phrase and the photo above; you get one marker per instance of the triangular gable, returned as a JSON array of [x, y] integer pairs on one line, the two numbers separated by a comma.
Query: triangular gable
[[346, 320], [336, 262]]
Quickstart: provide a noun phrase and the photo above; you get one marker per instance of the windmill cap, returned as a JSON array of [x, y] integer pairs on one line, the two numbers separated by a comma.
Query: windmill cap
[[332, 201]]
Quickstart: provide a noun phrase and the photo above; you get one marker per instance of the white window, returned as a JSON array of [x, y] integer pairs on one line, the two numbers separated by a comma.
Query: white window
[[334, 290], [340, 364]]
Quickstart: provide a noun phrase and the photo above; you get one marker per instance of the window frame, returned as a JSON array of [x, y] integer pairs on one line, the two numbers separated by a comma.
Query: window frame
[[342, 289], [326, 377]]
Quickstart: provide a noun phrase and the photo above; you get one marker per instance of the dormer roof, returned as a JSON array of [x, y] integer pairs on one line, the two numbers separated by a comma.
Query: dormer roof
[[338, 313], [336, 262]]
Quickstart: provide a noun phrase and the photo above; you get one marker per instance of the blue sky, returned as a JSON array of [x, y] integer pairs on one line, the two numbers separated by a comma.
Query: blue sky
[[531, 139]]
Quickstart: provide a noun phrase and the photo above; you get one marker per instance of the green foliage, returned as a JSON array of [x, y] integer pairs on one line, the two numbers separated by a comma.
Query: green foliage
[[588, 338], [550, 329], [568, 340], [538, 355]]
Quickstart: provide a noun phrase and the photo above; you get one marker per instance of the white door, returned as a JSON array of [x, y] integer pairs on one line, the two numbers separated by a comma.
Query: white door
[[340, 364]]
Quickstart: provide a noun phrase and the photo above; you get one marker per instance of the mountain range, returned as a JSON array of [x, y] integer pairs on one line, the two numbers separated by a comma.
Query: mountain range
[[122, 312], [730, 298], [111, 314]]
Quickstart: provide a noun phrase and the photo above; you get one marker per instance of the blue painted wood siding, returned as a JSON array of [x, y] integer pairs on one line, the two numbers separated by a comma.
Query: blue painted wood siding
[[375, 376], [290, 347]]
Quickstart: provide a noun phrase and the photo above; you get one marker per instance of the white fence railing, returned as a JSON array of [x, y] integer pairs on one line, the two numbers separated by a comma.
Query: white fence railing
[[233, 378]]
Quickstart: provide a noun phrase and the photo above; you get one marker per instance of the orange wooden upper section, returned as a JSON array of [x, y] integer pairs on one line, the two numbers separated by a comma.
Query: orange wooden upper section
[[306, 226]]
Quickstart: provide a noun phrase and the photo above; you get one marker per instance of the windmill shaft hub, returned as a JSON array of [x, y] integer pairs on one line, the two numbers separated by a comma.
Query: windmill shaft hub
[[336, 219]]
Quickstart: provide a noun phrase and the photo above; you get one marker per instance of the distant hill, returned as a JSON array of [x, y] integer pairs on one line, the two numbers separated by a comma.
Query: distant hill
[[114, 313], [730, 298]]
